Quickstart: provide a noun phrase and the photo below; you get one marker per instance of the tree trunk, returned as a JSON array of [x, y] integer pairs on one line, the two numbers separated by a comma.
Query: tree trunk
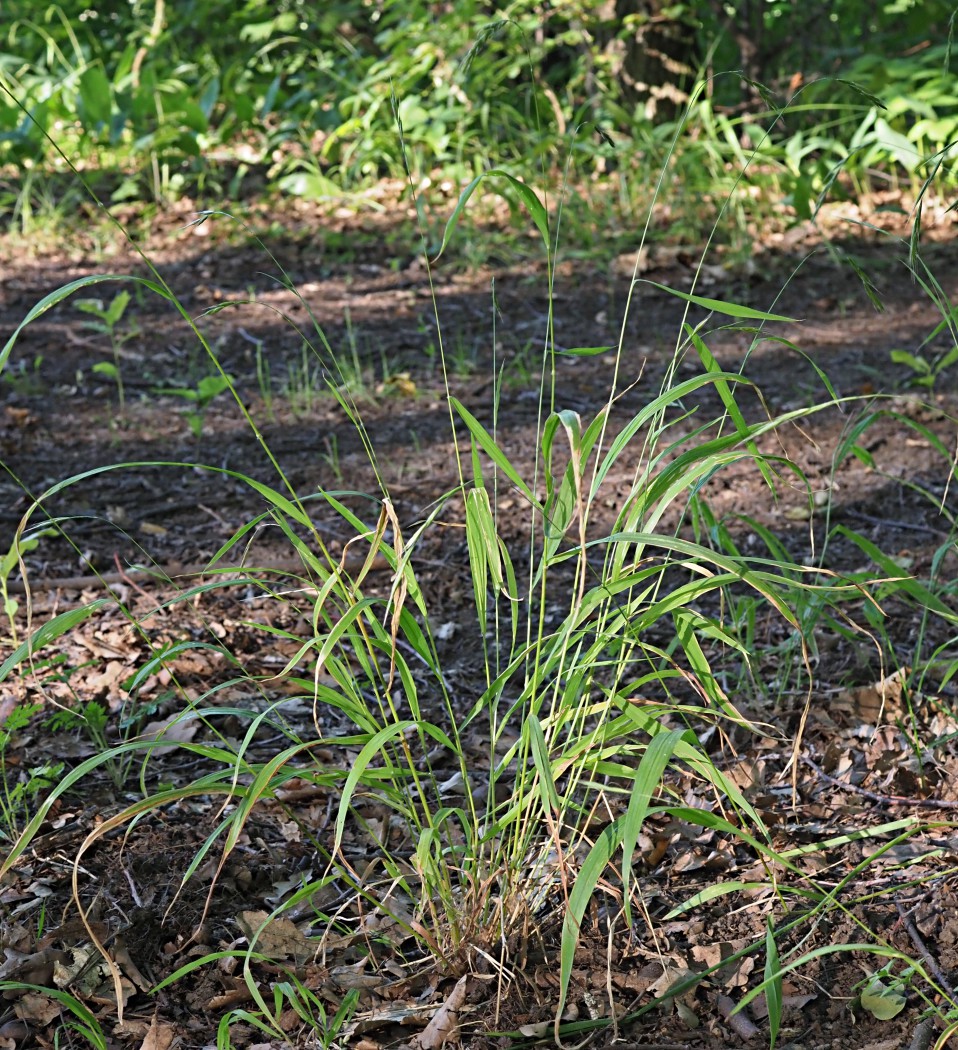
[[658, 56]]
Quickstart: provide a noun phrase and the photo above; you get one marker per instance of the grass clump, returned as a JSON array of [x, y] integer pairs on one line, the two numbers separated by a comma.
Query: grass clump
[[478, 819]]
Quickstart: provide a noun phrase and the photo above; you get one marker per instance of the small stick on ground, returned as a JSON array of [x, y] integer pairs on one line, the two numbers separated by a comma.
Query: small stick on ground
[[916, 939], [882, 800], [743, 1027]]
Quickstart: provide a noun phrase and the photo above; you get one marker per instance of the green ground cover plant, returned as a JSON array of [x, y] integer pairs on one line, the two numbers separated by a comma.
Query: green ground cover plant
[[309, 101]]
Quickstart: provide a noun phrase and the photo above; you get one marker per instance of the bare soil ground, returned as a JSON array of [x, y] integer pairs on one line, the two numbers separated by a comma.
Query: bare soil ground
[[861, 766]]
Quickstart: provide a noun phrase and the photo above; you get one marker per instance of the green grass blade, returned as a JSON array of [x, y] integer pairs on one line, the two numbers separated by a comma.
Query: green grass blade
[[881, 950], [582, 890], [528, 196], [488, 445], [721, 306], [369, 751], [548, 794], [909, 584], [723, 889], [49, 632], [59, 294], [657, 755], [86, 1024], [773, 990]]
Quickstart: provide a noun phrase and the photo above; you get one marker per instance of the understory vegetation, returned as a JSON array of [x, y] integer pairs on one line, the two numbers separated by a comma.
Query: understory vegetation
[[150, 105], [627, 637]]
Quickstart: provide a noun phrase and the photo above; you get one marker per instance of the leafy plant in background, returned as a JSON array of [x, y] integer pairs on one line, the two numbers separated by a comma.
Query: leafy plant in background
[[26, 380], [108, 322], [927, 362], [92, 719], [307, 94]]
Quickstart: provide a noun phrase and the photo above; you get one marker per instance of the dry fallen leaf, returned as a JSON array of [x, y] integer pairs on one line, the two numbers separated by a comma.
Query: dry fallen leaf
[[279, 939], [444, 1026], [121, 953], [37, 1009], [400, 383], [880, 701], [159, 1037], [173, 730]]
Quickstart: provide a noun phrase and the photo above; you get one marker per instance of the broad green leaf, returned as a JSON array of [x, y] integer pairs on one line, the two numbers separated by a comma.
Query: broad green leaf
[[487, 443], [915, 363], [482, 542], [897, 145], [208, 99], [540, 756], [369, 751], [95, 97], [114, 312], [881, 1000], [909, 584], [657, 756], [311, 185], [582, 889]]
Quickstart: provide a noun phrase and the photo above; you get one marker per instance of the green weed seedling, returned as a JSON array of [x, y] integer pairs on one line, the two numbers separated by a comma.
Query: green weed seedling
[[309, 1008], [351, 379], [21, 787], [91, 719], [304, 383], [26, 380], [331, 456], [264, 380], [199, 398], [926, 365], [107, 321]]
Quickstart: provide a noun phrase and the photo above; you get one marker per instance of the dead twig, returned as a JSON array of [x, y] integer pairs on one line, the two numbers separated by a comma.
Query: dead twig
[[166, 574], [740, 1024], [882, 800], [916, 939]]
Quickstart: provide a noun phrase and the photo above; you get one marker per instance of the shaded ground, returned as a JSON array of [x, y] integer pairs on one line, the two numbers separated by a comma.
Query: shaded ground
[[59, 418]]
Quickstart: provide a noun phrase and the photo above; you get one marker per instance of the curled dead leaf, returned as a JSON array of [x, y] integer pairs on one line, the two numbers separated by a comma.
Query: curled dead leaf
[[444, 1026]]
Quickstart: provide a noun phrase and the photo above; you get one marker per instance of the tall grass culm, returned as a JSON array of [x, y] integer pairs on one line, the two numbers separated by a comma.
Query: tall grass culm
[[605, 655]]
